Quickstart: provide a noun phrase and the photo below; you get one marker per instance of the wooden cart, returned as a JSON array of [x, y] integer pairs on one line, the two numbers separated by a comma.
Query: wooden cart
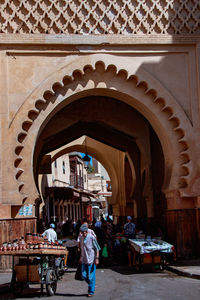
[[43, 271], [151, 253]]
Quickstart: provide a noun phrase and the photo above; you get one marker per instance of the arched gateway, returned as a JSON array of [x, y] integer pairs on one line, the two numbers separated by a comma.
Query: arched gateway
[[123, 73], [102, 77], [139, 90]]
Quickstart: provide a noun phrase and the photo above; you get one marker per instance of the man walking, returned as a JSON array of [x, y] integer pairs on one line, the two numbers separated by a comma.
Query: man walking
[[89, 258]]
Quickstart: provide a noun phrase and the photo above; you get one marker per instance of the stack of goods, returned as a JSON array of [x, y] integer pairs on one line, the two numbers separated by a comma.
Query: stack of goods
[[31, 241]]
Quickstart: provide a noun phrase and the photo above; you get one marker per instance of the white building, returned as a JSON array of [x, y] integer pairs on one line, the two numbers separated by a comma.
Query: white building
[[97, 183]]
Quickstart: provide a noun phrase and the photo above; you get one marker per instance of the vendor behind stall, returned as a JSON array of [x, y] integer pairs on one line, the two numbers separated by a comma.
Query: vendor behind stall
[[129, 229], [129, 232], [50, 233]]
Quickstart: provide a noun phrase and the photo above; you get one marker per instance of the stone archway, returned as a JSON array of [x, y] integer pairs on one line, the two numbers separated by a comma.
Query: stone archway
[[101, 75], [94, 148]]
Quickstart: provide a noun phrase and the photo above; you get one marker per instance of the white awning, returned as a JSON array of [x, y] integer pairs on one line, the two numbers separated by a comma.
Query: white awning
[[76, 194], [93, 199], [85, 199]]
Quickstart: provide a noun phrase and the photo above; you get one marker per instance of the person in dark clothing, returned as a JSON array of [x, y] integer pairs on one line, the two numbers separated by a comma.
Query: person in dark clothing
[[67, 228], [100, 235], [101, 239], [117, 228], [109, 240], [77, 228]]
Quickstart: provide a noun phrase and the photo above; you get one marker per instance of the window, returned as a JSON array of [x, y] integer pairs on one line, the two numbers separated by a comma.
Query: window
[[55, 164], [63, 167]]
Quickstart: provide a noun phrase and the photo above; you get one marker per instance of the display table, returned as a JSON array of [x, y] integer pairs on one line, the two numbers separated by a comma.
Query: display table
[[144, 246], [32, 252], [150, 252]]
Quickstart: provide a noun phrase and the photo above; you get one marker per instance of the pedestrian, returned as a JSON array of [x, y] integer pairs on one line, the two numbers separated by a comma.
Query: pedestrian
[[50, 233], [89, 258], [109, 240], [101, 239], [77, 229], [129, 228], [66, 228], [129, 232], [59, 225], [91, 231]]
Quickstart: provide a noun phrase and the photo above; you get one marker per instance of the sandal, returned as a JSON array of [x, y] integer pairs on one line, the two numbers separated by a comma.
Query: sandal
[[90, 295]]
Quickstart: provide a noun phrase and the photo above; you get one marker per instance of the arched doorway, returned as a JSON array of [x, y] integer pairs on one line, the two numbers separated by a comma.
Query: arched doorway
[[113, 83]]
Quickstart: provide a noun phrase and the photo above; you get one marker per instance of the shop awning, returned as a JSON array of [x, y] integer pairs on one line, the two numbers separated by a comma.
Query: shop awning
[[69, 194], [85, 199], [64, 193]]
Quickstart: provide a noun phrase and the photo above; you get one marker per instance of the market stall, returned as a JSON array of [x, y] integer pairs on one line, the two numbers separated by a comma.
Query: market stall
[[35, 260], [34, 266], [151, 252]]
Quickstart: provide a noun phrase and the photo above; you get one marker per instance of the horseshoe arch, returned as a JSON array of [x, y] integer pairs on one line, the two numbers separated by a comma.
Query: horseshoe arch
[[101, 77]]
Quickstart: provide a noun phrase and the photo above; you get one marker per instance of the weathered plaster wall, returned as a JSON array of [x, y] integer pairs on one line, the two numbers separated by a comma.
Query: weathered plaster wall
[[170, 65]]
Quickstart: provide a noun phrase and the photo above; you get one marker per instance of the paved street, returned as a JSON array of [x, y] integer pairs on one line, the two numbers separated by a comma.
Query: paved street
[[121, 283]]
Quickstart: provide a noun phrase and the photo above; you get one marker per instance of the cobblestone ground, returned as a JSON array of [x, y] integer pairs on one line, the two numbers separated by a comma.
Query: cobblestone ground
[[122, 283]]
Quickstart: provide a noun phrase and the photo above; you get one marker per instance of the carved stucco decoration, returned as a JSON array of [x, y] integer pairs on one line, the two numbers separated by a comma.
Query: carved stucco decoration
[[100, 16], [140, 90]]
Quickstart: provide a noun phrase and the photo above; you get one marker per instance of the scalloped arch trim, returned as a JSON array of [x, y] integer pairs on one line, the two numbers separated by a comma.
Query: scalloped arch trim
[[76, 76]]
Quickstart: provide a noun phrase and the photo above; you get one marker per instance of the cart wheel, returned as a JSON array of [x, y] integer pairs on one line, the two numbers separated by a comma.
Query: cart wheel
[[51, 282], [17, 288]]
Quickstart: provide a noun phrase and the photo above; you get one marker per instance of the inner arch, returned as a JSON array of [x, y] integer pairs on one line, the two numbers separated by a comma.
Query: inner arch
[[124, 129]]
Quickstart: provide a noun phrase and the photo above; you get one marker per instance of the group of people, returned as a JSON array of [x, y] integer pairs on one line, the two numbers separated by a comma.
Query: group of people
[[94, 240], [89, 241], [90, 248]]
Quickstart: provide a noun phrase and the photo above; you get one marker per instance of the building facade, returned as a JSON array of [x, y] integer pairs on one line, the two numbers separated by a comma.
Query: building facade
[[124, 73], [64, 191]]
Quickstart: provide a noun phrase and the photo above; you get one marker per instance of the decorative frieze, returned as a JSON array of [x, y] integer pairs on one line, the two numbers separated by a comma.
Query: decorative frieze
[[171, 17]]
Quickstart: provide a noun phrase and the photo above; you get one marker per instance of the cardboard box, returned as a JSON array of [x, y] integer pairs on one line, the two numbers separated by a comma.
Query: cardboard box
[[21, 273]]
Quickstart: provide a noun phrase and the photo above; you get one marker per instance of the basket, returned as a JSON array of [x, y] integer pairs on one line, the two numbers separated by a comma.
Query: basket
[[21, 273]]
